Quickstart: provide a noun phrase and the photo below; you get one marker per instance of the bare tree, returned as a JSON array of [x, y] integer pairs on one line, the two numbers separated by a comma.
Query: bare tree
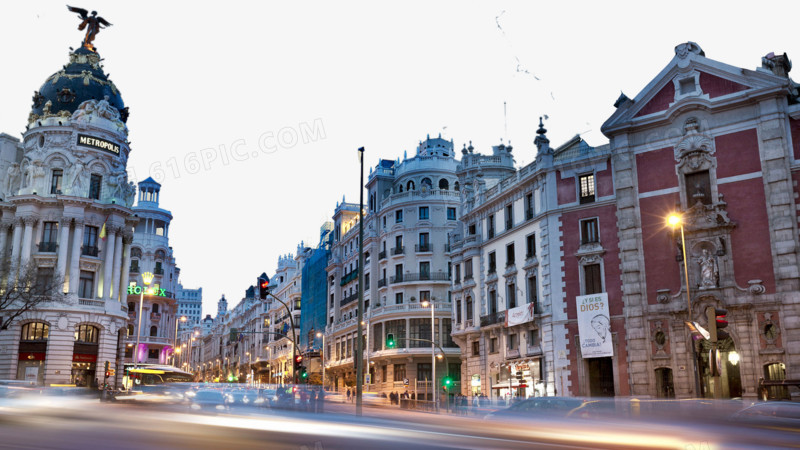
[[27, 288]]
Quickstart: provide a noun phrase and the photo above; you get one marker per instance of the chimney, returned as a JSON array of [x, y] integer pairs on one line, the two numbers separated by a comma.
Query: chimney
[[780, 65]]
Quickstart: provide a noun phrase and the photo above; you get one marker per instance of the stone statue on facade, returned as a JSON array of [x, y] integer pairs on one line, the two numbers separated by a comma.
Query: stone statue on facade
[[12, 180], [117, 185], [77, 178], [37, 174], [709, 272], [85, 109], [91, 23], [130, 194]]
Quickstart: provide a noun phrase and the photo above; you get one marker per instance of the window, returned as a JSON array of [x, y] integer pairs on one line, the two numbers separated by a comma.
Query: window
[[155, 308], [410, 185], [458, 311], [530, 246], [49, 234], [490, 227], [398, 244], [492, 302], [458, 273], [493, 345], [130, 330], [533, 292], [424, 296], [469, 308], [512, 341], [698, 188], [424, 270], [509, 216], [529, 206], [35, 331], [472, 229], [398, 216], [492, 262], [586, 183], [476, 348], [131, 306], [532, 338], [153, 331], [468, 269], [86, 284], [152, 353], [44, 280], [424, 213], [399, 372], [90, 241], [511, 294], [444, 184], [420, 330], [398, 273], [398, 298], [384, 221], [510, 258], [423, 371], [424, 242], [95, 184], [55, 184], [589, 233], [592, 282], [451, 213], [87, 334], [384, 374]]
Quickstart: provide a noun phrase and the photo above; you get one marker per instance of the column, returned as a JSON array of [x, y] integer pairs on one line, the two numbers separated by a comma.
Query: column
[[16, 244], [408, 333], [127, 239], [63, 248], [27, 238], [117, 263], [108, 261], [4, 227], [75, 260]]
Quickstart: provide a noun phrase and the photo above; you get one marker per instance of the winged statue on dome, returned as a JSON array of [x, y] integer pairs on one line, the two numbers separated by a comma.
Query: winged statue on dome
[[91, 23]]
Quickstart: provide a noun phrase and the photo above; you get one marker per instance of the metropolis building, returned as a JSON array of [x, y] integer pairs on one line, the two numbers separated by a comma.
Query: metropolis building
[[412, 207], [66, 207]]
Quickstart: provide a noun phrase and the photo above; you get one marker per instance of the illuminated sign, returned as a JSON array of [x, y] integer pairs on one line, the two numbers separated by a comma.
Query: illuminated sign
[[97, 143], [156, 290]]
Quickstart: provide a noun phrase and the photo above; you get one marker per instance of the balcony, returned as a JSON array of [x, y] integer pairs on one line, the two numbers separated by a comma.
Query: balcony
[[382, 255], [494, 318], [349, 299], [48, 247], [528, 214], [399, 250], [419, 248], [90, 250], [349, 277], [134, 268], [155, 317], [420, 276], [382, 282]]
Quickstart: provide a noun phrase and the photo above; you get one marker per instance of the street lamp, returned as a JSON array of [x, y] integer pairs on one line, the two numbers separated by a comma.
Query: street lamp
[[323, 358], [175, 338], [147, 278], [674, 220], [434, 387]]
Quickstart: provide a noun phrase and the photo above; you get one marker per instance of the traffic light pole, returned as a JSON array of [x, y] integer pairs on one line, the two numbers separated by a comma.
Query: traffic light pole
[[435, 388], [360, 344]]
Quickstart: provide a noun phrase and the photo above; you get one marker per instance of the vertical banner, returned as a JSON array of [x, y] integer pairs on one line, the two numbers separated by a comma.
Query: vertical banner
[[594, 325]]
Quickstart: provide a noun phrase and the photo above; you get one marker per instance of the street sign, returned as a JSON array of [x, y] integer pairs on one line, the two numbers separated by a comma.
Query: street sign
[[405, 381], [369, 378], [696, 328]]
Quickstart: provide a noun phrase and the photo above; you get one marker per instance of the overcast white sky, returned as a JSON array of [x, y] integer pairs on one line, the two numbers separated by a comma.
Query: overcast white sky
[[200, 75]]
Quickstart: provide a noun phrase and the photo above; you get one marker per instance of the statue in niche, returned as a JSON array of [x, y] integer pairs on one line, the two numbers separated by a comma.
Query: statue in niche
[[709, 271], [77, 178], [117, 185], [37, 174]]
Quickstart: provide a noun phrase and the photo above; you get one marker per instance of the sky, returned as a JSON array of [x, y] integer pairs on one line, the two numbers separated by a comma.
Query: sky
[[250, 114]]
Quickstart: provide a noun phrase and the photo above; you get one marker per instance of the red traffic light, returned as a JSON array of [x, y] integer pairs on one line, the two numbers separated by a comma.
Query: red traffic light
[[298, 359]]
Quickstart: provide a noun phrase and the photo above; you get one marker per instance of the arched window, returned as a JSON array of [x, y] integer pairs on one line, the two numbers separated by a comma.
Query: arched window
[[35, 331], [153, 331], [456, 186], [399, 188], [136, 252], [130, 330], [160, 254], [87, 334], [410, 186], [444, 184], [426, 182], [155, 308]]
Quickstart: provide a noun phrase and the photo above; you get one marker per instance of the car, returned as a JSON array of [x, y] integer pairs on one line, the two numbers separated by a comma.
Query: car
[[239, 397], [547, 407], [778, 414], [209, 399]]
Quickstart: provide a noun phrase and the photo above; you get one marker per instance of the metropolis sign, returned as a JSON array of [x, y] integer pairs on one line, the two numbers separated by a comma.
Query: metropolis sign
[[97, 143]]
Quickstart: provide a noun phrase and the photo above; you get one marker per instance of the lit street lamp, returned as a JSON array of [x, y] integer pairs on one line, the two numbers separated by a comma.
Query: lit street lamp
[[147, 278], [677, 220], [175, 338]]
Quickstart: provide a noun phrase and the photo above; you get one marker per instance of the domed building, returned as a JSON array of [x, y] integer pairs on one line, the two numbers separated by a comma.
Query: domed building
[[65, 213]]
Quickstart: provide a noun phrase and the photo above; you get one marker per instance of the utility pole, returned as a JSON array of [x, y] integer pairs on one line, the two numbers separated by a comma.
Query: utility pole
[[360, 344]]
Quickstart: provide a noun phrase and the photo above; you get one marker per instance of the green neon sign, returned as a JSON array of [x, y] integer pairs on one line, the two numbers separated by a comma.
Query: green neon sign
[[156, 290]]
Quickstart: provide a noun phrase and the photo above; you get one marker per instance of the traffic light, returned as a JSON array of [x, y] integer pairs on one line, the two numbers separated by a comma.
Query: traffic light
[[390, 342], [716, 322], [111, 372], [263, 287], [106, 366], [447, 382], [303, 373], [234, 335]]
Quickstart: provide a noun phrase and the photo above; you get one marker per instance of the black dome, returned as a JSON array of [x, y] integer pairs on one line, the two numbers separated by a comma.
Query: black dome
[[80, 80]]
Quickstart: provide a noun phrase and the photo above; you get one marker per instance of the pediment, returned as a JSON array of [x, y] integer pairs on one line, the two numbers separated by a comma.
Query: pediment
[[690, 78]]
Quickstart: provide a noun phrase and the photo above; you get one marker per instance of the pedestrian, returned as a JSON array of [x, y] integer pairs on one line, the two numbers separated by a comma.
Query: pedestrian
[[312, 402], [321, 400], [348, 395]]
